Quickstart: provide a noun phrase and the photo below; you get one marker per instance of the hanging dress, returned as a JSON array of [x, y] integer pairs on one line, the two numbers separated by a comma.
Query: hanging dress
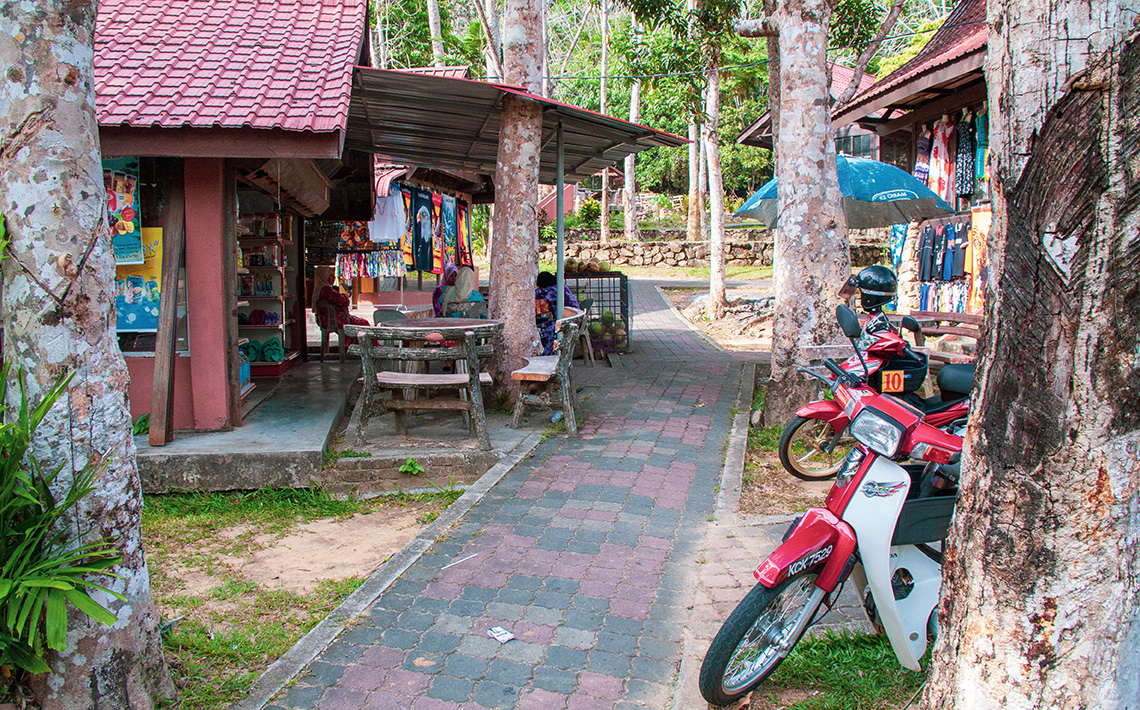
[[941, 164], [922, 156], [964, 170]]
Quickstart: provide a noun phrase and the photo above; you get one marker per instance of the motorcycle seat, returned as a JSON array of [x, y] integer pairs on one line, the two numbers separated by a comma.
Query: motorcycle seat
[[932, 405], [957, 379]]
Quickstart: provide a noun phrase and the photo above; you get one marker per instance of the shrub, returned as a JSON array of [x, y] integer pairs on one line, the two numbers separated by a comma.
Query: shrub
[[43, 567], [589, 211]]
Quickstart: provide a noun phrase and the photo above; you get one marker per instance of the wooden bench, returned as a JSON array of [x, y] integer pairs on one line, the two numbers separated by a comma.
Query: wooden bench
[[940, 327], [460, 345], [544, 369]]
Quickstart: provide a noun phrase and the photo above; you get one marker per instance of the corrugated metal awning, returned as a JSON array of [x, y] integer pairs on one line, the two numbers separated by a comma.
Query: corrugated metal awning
[[454, 124]]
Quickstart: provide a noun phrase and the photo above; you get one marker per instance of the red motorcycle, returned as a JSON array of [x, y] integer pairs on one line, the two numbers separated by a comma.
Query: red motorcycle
[[880, 529], [816, 441]]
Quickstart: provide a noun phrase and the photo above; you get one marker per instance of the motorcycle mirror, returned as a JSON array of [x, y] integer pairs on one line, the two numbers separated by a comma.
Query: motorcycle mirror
[[911, 324], [847, 290], [848, 321]]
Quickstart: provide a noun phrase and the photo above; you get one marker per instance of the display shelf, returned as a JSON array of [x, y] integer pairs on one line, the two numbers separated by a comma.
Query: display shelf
[[242, 304], [268, 369], [265, 282], [271, 297], [263, 326], [246, 389]]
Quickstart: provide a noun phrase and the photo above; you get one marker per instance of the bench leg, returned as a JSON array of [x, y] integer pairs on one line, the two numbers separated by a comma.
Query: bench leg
[[479, 415], [568, 404], [324, 344], [516, 418], [360, 414], [401, 423], [340, 336]]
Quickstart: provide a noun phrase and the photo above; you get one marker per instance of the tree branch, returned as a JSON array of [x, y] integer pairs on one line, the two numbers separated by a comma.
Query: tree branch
[[573, 46], [494, 53], [869, 51], [759, 27]]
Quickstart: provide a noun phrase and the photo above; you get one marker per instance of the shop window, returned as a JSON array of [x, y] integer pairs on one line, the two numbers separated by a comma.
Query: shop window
[[859, 146], [136, 197]]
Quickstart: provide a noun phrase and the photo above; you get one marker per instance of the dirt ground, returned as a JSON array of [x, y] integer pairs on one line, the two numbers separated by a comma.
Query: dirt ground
[[767, 489], [738, 330]]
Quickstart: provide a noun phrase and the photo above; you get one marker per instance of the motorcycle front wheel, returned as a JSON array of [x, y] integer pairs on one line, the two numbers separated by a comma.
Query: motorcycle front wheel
[[747, 648], [803, 449]]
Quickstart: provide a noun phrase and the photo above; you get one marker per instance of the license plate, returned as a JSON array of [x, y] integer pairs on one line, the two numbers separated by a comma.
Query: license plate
[[893, 381]]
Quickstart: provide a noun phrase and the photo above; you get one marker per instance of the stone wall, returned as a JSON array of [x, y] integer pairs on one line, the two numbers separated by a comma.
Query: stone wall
[[864, 252]]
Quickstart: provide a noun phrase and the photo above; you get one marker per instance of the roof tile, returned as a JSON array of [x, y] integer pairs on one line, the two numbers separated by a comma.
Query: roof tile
[[258, 63]]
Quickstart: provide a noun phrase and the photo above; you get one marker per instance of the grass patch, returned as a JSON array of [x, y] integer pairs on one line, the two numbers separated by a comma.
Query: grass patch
[[333, 455], [228, 628], [844, 670]]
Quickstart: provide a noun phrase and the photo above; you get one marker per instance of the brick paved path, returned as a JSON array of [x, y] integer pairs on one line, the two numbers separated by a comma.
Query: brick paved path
[[585, 552]]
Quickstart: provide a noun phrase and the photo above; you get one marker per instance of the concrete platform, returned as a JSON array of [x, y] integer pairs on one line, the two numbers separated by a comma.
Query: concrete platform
[[281, 443]]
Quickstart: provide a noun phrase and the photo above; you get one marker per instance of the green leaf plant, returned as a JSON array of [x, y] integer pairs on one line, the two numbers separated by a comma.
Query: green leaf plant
[[43, 566]]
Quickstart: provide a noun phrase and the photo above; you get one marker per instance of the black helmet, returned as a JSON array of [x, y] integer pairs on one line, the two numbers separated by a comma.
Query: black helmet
[[877, 287]]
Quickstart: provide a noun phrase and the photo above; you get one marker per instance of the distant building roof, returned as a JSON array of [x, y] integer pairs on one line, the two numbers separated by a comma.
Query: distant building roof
[[454, 72], [759, 132], [242, 63], [957, 49]]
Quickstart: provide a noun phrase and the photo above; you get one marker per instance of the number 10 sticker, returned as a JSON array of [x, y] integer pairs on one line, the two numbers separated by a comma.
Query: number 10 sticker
[[893, 381]]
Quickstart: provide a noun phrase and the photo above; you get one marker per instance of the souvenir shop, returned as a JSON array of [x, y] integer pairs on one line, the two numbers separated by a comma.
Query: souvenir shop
[[946, 266], [417, 229]]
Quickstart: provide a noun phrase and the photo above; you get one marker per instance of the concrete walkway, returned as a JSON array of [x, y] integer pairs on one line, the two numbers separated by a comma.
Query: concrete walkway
[[600, 553]]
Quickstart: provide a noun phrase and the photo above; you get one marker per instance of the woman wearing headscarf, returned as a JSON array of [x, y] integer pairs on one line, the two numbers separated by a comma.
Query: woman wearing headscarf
[[449, 275], [463, 290], [545, 302], [325, 289]]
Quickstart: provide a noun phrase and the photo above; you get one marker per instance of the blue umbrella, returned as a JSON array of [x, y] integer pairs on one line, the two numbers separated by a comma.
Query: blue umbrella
[[874, 195]]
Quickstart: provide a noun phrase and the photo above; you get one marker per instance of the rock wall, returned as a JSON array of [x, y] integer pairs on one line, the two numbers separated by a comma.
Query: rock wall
[[864, 252]]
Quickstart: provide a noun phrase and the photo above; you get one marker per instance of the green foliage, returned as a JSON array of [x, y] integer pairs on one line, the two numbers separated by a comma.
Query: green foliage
[[44, 567], [923, 34], [409, 37], [589, 212], [412, 467], [480, 227], [333, 455], [141, 425]]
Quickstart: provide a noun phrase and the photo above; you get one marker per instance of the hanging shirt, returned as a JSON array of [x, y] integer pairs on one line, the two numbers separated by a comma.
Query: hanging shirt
[[981, 145], [926, 253], [421, 228], [388, 220], [964, 168], [437, 250], [961, 245], [463, 236], [450, 236], [407, 237]]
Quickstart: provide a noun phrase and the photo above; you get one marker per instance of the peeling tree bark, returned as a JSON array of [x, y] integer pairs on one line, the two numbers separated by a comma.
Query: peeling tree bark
[[1040, 581], [52, 196], [514, 253], [811, 259], [604, 222], [693, 225], [717, 300], [632, 231]]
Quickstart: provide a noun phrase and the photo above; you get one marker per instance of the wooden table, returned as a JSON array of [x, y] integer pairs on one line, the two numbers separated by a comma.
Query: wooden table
[[459, 342]]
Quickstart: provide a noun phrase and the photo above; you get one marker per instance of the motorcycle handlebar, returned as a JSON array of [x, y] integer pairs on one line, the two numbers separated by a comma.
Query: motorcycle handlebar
[[835, 369]]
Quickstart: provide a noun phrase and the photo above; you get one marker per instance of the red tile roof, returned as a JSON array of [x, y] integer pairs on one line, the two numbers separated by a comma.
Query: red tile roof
[[283, 64], [963, 32], [841, 76]]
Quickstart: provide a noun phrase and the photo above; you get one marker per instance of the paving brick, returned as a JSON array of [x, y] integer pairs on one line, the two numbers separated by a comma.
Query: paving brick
[[555, 680], [450, 688], [342, 699], [461, 666]]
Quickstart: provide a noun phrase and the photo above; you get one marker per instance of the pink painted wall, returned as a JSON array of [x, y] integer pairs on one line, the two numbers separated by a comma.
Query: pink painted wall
[[142, 382], [205, 287], [200, 387]]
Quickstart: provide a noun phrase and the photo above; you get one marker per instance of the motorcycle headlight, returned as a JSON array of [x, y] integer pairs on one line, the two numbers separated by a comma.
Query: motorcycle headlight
[[850, 466], [877, 432]]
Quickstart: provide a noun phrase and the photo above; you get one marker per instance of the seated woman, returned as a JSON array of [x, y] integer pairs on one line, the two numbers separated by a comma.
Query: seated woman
[[545, 303], [325, 289], [463, 290]]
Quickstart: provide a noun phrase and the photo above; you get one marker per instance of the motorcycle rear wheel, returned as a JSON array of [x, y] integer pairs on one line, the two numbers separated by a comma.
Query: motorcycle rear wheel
[[746, 650], [802, 452]]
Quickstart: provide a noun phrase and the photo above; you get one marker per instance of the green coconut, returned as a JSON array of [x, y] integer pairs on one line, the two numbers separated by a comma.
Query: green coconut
[[608, 317], [604, 266], [596, 329]]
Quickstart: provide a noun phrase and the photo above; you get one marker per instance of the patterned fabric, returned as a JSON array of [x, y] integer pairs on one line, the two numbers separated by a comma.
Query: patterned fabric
[[450, 236], [422, 228], [545, 301], [384, 264], [981, 147], [964, 170], [437, 243], [922, 157], [463, 226], [941, 164], [408, 237]]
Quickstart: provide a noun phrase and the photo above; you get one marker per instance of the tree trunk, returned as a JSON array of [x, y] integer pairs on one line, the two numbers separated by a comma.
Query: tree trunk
[[1041, 574], [604, 219], [59, 316], [717, 300], [810, 259], [632, 231], [702, 176], [436, 33], [514, 253], [693, 231], [491, 51]]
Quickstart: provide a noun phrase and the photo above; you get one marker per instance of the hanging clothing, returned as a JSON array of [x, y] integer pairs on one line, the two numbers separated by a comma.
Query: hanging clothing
[[898, 242], [922, 156], [450, 236], [941, 164], [926, 253], [981, 147], [939, 252], [961, 244], [388, 218], [437, 250], [407, 238], [353, 235], [964, 167], [384, 264], [422, 228], [463, 237]]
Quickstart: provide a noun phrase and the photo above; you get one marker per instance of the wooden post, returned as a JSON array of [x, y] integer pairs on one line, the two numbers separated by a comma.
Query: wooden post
[[173, 239], [229, 276]]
